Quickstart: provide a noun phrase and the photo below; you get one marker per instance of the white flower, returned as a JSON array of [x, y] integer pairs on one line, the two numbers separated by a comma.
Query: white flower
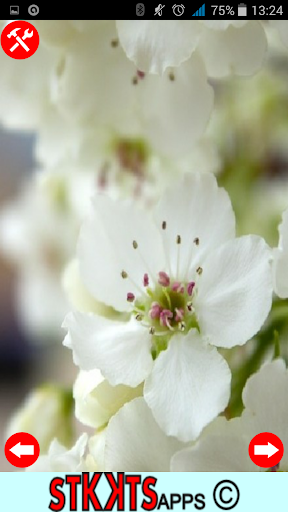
[[96, 401], [134, 441], [114, 93], [226, 47], [224, 447], [186, 285], [280, 262], [60, 458], [46, 414]]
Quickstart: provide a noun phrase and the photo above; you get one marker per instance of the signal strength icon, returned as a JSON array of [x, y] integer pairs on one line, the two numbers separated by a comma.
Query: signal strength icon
[[200, 12]]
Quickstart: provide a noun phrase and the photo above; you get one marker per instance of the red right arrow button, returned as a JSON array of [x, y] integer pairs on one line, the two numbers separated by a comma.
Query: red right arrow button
[[266, 450]]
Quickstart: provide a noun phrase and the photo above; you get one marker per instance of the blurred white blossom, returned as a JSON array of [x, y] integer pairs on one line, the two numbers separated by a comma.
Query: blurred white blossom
[[46, 413]]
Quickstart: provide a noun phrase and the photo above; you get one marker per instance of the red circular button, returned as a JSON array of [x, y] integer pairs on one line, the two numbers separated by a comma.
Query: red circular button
[[266, 450], [22, 450], [19, 39]]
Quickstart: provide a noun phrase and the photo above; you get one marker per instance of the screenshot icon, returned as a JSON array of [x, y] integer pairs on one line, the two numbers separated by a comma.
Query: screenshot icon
[[14, 10]]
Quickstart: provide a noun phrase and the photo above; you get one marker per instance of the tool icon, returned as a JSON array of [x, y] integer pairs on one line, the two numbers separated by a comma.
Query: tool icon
[[158, 10], [27, 34]]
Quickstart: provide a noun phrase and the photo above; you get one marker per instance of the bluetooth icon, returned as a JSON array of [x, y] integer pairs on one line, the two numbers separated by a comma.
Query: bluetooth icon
[[140, 10]]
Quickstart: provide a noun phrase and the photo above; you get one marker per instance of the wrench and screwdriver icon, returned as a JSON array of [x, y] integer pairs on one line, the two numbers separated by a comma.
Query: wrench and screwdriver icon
[[27, 34]]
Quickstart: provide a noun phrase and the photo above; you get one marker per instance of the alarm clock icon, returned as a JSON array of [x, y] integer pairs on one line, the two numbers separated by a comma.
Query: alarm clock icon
[[178, 9]]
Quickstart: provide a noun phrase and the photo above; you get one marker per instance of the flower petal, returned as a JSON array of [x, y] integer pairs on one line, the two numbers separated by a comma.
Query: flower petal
[[120, 350], [176, 107], [240, 51], [280, 260], [234, 293], [265, 398], [134, 441], [156, 45], [188, 387], [106, 249], [226, 450], [204, 211], [96, 401]]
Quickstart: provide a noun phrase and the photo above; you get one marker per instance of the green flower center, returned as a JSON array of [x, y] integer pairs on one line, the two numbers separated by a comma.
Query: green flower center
[[165, 309]]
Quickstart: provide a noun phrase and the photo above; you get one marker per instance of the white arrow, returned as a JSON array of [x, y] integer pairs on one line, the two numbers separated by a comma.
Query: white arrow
[[265, 449], [22, 449]]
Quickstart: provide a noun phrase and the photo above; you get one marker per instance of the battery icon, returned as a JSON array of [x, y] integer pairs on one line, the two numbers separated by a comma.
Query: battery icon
[[242, 10]]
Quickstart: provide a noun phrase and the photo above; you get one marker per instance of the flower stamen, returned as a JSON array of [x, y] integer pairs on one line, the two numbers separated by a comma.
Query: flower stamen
[[164, 279], [146, 280], [190, 288]]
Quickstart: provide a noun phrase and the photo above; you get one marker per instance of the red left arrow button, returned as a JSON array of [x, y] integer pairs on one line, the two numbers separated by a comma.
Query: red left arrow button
[[22, 450]]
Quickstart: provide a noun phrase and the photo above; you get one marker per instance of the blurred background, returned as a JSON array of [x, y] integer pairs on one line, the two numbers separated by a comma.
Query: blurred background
[[23, 365]]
